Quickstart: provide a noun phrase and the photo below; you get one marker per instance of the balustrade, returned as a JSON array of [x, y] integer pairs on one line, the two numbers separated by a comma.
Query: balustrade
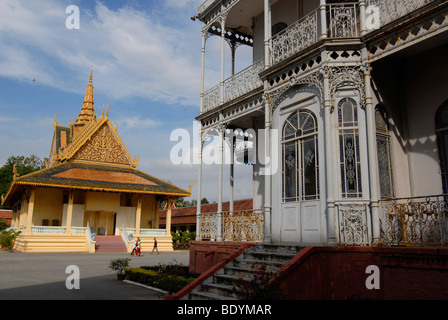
[[416, 221], [390, 10], [246, 225]]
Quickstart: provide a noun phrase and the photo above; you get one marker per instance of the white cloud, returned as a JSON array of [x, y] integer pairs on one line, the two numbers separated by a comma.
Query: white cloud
[[133, 53]]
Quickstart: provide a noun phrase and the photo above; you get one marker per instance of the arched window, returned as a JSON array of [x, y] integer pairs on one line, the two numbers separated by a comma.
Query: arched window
[[350, 163], [442, 139], [300, 169], [384, 152]]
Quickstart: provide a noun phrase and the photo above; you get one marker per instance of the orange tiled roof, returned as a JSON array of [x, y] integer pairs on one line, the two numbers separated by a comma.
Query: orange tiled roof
[[187, 215]]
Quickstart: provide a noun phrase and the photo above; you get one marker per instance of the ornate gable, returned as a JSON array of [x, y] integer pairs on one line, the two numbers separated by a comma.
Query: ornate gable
[[103, 147]]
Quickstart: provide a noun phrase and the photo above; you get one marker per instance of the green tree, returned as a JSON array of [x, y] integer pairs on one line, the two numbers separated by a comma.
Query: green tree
[[24, 165]]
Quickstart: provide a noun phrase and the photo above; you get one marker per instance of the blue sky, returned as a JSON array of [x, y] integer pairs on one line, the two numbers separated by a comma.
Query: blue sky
[[146, 57]]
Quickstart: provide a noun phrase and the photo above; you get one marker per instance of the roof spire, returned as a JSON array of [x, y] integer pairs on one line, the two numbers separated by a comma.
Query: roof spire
[[87, 113]]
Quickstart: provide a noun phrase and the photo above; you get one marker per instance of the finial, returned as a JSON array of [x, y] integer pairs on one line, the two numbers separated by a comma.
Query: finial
[[190, 187], [91, 74], [55, 121], [102, 113], [14, 172], [107, 112]]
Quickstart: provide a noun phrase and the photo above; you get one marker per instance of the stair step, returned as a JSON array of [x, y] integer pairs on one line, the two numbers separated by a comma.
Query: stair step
[[201, 295], [110, 244], [220, 286]]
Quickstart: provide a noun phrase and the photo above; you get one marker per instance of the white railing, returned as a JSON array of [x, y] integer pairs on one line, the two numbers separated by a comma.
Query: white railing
[[48, 230], [212, 98], [152, 232], [343, 20], [234, 87], [244, 81], [295, 38]]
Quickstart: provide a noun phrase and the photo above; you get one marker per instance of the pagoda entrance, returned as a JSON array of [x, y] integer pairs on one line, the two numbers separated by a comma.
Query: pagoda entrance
[[101, 223]]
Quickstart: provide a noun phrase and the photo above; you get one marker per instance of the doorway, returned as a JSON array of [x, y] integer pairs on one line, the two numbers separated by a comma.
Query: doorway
[[101, 223]]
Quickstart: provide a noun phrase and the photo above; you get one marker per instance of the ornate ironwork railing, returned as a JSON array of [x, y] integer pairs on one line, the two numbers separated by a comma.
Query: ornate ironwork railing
[[390, 10], [246, 225], [295, 38], [343, 20], [416, 221], [353, 224], [236, 86], [243, 82]]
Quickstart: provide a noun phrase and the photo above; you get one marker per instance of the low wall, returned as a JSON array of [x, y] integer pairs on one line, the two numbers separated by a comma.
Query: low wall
[[206, 254], [329, 273], [51, 243]]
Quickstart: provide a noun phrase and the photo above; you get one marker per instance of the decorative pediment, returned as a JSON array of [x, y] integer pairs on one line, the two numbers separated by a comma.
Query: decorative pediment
[[103, 147]]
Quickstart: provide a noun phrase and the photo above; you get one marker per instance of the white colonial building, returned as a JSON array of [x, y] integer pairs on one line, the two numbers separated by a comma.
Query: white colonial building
[[345, 110]]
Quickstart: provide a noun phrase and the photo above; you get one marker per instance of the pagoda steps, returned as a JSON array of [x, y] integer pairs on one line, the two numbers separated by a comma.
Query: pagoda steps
[[110, 244], [220, 286]]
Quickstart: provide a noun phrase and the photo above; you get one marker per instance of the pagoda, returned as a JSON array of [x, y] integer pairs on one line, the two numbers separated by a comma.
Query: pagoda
[[90, 189]]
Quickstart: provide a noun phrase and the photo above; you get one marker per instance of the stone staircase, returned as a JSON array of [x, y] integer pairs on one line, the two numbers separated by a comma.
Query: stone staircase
[[110, 244], [220, 285]]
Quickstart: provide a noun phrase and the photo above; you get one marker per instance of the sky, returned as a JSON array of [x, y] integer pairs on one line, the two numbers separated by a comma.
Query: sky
[[146, 59]]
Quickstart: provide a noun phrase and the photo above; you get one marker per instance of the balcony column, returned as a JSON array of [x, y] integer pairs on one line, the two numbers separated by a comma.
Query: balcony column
[[198, 207], [223, 43], [204, 40], [331, 212], [268, 169], [232, 172], [373, 157], [267, 32], [68, 223], [220, 179], [323, 19], [29, 216], [362, 17]]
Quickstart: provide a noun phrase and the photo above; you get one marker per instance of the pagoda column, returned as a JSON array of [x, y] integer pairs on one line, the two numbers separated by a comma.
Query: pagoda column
[[138, 216], [68, 224], [168, 216], [29, 216]]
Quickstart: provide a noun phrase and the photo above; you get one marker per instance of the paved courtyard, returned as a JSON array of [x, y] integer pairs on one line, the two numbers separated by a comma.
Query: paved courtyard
[[42, 276]]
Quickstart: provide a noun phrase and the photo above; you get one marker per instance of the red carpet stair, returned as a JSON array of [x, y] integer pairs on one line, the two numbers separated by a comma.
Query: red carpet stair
[[110, 244]]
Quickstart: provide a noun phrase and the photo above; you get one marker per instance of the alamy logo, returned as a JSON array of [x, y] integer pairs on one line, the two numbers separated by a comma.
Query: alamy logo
[[372, 17], [237, 146], [73, 281], [73, 20]]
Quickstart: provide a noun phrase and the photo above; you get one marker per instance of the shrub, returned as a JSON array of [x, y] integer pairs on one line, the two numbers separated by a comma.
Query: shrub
[[168, 282], [119, 265]]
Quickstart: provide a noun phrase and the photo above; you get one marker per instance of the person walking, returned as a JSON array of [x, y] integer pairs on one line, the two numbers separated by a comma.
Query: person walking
[[155, 246], [139, 248], [134, 247]]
